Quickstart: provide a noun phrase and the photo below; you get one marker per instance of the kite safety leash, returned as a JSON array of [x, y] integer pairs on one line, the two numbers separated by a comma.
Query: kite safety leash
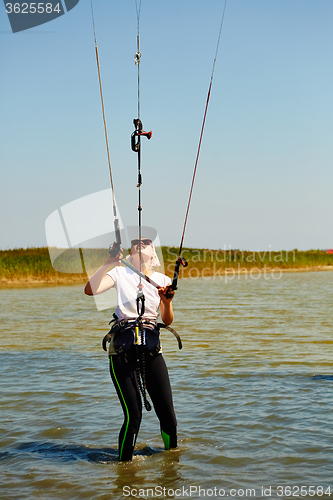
[[116, 247], [180, 260]]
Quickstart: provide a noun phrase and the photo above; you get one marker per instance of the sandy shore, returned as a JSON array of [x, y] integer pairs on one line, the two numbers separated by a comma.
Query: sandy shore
[[35, 282], [32, 281], [284, 270]]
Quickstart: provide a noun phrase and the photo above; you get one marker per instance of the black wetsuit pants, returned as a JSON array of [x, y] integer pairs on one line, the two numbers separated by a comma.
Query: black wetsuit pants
[[123, 374]]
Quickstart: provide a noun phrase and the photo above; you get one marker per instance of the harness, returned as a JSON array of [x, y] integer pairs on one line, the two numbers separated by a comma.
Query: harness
[[124, 325], [137, 338]]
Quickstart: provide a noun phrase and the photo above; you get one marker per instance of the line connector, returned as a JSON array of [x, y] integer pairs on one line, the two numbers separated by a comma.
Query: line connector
[[138, 132]]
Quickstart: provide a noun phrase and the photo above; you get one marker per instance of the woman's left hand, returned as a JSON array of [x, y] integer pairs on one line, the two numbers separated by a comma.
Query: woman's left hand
[[164, 291], [166, 304]]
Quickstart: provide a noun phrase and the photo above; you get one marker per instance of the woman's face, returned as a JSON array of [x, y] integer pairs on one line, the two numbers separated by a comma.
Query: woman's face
[[147, 250]]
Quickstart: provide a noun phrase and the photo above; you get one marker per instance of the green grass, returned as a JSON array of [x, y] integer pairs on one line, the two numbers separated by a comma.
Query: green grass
[[34, 263]]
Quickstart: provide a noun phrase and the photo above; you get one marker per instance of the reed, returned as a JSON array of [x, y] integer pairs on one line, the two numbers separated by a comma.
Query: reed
[[207, 260], [34, 264], [29, 265]]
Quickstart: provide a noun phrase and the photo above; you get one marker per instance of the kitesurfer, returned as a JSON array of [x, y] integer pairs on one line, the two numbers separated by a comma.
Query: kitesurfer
[[136, 361]]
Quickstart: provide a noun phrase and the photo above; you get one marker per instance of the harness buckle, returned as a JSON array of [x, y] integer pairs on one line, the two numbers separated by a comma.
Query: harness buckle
[[140, 301]]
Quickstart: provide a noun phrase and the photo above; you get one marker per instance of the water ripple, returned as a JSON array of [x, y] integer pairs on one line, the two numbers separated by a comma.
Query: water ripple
[[252, 390]]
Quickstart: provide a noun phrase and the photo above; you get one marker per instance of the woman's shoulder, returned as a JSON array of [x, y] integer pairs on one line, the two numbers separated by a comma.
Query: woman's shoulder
[[117, 271]]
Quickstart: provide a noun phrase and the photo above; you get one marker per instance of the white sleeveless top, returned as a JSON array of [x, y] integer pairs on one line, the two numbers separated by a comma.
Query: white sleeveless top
[[126, 284]]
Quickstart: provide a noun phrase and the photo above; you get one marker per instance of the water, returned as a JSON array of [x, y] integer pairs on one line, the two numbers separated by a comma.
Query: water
[[252, 389]]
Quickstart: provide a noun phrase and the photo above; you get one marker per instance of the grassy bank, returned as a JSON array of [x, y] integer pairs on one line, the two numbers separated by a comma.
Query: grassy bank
[[33, 266]]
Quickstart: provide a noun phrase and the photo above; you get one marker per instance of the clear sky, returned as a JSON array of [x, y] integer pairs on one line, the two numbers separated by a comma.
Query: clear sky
[[265, 174]]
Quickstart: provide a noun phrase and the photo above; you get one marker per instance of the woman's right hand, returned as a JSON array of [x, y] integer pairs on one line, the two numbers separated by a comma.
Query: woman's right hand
[[114, 260]]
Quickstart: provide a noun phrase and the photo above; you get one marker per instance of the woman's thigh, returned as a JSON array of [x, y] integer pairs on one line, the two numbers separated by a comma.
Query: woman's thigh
[[158, 383], [123, 374]]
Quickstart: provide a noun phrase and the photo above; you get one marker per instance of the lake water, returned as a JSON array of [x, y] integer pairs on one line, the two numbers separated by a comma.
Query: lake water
[[253, 391]]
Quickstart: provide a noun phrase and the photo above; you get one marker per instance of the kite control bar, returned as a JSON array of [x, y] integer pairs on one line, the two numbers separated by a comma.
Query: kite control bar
[[174, 284], [184, 263], [116, 247]]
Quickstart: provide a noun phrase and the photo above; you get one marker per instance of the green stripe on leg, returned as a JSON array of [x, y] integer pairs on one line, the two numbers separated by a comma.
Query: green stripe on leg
[[166, 440], [127, 412]]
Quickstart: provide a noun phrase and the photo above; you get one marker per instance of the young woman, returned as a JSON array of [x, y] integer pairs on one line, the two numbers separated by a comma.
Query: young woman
[[134, 345]]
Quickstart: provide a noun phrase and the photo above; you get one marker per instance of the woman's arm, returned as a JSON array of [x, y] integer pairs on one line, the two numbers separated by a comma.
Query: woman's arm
[[100, 281], [166, 305]]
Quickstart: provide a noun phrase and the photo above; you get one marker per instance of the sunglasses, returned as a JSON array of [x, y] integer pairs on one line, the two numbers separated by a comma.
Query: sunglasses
[[137, 242]]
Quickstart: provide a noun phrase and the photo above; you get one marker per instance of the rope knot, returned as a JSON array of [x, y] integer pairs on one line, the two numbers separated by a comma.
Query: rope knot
[[137, 58]]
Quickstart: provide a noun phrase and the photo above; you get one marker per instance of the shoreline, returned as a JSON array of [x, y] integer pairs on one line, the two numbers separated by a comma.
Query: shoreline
[[35, 282]]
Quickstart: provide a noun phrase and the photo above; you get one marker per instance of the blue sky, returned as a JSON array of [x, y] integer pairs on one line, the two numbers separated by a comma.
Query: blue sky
[[265, 176]]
